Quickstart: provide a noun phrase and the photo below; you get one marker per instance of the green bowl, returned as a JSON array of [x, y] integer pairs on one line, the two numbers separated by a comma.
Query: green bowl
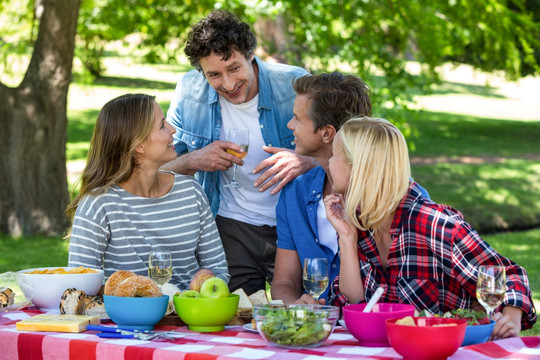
[[206, 314]]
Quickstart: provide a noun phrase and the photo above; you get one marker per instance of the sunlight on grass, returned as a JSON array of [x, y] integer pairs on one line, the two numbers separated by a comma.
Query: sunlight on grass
[[488, 195], [32, 252], [444, 134]]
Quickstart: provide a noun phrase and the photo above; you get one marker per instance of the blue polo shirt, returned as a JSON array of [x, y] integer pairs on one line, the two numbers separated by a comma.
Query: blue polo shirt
[[296, 214]]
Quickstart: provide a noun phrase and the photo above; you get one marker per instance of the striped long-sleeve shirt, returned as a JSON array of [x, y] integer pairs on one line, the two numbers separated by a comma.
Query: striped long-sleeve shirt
[[117, 230], [433, 261]]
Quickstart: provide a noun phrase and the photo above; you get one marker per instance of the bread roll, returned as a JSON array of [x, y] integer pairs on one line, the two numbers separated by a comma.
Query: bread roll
[[115, 279], [72, 302], [95, 307], [7, 297]]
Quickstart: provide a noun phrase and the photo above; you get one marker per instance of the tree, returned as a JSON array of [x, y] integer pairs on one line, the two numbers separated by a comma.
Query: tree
[[33, 185]]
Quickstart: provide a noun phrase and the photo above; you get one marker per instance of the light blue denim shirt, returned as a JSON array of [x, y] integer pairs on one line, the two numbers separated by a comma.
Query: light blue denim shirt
[[196, 115]]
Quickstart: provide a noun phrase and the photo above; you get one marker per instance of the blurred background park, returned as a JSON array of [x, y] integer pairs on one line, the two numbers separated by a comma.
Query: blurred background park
[[460, 78]]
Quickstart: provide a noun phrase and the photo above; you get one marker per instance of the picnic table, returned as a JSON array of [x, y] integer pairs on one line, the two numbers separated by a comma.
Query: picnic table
[[233, 343]]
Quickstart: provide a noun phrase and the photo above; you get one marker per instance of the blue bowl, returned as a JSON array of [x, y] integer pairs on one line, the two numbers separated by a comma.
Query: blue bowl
[[477, 334], [136, 313]]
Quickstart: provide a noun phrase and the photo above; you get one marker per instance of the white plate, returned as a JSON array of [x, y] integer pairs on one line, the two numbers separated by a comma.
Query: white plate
[[248, 328], [342, 323]]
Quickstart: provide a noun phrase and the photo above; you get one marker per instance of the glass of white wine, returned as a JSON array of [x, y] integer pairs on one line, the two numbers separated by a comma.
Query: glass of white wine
[[491, 287], [160, 266], [315, 276], [241, 138]]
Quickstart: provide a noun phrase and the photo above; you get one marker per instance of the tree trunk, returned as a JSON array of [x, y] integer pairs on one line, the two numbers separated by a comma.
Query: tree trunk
[[33, 122]]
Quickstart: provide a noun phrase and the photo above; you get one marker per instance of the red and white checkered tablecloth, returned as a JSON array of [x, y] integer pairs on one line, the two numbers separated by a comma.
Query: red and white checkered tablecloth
[[233, 343]]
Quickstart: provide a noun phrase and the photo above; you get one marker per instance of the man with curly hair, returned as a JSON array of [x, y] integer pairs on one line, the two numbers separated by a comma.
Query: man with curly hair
[[232, 88]]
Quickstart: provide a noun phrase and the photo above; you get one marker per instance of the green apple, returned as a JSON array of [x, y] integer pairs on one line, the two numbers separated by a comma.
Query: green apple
[[189, 294], [214, 288]]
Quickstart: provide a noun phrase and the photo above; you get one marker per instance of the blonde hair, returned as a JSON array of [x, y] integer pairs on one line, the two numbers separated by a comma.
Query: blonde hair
[[380, 170], [122, 124]]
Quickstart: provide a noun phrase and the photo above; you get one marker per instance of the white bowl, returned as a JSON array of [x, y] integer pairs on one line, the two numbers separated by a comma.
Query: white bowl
[[47, 289]]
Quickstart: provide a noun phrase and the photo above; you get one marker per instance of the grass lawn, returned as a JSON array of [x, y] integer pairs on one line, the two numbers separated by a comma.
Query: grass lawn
[[488, 168]]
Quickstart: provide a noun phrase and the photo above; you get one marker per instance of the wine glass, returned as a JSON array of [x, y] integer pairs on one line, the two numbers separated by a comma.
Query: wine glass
[[241, 138], [160, 266], [315, 276], [491, 287]]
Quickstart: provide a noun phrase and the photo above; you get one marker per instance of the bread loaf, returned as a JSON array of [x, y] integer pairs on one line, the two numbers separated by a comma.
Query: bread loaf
[[259, 298], [245, 306]]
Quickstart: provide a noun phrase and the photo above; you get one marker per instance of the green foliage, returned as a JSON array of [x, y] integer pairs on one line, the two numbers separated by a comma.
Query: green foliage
[[377, 37], [18, 31], [160, 25], [371, 37]]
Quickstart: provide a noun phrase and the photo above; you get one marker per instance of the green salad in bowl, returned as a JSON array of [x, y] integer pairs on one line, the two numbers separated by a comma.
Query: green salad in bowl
[[295, 326]]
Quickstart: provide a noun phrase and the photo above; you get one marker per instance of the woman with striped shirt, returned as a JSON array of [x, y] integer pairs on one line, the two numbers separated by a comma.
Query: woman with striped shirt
[[127, 206]]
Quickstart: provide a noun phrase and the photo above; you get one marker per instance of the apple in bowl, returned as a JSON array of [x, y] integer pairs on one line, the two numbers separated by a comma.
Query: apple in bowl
[[214, 287], [208, 310]]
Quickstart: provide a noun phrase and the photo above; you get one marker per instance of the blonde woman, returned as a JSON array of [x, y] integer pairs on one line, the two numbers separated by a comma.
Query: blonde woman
[[420, 252], [127, 206]]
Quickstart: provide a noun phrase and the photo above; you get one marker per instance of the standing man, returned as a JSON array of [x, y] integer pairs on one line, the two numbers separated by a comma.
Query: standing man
[[233, 88]]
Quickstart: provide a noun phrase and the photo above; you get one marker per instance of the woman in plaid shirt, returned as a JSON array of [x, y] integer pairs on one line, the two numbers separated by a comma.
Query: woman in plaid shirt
[[420, 252]]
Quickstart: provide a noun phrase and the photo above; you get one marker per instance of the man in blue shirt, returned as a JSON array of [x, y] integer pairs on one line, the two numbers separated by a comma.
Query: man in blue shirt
[[323, 103], [232, 88]]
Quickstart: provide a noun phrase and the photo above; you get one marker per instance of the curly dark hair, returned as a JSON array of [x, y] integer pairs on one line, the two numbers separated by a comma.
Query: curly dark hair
[[334, 98], [222, 33]]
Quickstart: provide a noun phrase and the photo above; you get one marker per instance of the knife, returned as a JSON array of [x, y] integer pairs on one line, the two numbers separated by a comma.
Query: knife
[[110, 329], [139, 336]]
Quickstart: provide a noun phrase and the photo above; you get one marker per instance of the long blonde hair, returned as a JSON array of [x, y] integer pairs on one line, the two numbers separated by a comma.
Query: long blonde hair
[[380, 170], [122, 124]]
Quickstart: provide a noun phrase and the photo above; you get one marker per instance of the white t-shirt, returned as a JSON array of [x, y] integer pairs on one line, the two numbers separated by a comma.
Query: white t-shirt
[[246, 203], [327, 233]]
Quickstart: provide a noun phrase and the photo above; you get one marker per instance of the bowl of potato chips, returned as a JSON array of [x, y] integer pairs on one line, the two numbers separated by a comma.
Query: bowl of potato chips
[[49, 283]]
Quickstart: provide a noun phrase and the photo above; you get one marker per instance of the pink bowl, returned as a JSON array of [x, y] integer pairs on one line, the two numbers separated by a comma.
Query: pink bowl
[[426, 341], [369, 328]]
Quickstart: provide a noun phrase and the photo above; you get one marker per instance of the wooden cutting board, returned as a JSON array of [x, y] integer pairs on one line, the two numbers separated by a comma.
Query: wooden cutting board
[[174, 320]]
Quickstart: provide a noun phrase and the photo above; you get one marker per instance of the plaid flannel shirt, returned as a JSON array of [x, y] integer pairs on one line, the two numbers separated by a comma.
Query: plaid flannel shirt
[[433, 262]]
